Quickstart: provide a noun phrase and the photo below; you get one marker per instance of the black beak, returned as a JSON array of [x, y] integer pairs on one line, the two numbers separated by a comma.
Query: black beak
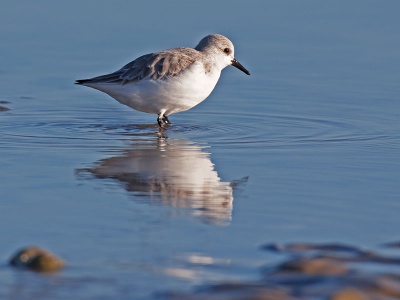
[[237, 64]]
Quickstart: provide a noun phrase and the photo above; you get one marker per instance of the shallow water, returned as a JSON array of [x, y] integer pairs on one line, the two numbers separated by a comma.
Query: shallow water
[[305, 149]]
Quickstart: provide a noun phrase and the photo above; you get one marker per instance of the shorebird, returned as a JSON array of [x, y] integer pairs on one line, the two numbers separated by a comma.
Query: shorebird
[[169, 81]]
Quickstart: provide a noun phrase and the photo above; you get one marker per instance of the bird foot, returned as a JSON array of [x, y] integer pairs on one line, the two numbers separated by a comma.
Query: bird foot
[[162, 119], [166, 120]]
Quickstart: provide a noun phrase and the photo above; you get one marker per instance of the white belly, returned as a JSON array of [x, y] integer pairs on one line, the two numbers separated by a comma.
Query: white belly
[[166, 96]]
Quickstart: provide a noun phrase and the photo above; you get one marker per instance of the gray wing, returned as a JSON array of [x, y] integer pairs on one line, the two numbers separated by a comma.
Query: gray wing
[[157, 65]]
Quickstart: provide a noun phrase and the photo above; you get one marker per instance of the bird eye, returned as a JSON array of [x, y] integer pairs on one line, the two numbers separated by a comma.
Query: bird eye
[[226, 50]]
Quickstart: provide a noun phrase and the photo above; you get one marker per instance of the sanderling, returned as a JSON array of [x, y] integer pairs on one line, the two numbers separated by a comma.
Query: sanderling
[[169, 81]]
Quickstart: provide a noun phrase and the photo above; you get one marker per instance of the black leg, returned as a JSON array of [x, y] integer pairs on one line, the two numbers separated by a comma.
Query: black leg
[[160, 120], [166, 120]]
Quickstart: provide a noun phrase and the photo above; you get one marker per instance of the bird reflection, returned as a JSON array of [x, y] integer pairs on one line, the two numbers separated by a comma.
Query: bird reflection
[[174, 172]]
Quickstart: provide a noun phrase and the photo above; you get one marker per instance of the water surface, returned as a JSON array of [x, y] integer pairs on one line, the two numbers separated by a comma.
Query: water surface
[[305, 149]]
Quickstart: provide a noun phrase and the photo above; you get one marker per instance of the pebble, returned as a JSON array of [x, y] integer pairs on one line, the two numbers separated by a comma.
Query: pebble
[[37, 259]]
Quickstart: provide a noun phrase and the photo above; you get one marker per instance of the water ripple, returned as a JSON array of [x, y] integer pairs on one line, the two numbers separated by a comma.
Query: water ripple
[[80, 129], [261, 130]]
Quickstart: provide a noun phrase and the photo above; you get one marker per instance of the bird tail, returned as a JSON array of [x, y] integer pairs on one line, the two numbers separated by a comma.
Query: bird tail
[[82, 81]]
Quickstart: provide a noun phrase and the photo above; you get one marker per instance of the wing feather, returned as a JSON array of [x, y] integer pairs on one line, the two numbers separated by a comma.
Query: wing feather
[[159, 65]]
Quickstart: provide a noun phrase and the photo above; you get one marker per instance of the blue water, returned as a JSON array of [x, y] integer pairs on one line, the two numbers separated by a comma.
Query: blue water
[[305, 149]]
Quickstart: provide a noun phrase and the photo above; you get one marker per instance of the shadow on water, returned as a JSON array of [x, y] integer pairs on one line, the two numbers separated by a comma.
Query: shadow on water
[[170, 171]]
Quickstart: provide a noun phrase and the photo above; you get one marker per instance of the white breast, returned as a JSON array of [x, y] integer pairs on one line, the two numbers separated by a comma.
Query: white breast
[[171, 95]]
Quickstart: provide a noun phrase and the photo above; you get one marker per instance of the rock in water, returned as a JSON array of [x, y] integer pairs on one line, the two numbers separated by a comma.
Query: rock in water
[[37, 259]]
